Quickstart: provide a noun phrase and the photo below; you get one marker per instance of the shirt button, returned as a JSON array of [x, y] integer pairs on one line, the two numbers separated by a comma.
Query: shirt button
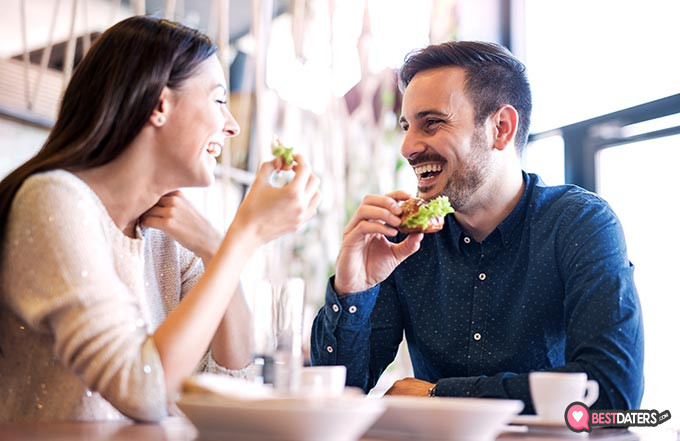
[[329, 349], [477, 336], [466, 239], [482, 276], [336, 308], [352, 309]]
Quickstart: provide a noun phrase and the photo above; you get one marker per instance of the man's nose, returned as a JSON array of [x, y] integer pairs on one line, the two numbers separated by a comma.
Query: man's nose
[[411, 146]]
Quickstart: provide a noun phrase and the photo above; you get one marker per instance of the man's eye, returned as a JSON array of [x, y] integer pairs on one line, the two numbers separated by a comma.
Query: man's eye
[[404, 127], [432, 122], [221, 101]]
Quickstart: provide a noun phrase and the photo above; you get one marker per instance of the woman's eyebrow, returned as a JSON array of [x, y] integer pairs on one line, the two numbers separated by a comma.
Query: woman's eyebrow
[[220, 86]]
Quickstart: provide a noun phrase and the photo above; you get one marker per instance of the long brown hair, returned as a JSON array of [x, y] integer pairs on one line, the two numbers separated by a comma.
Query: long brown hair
[[111, 95]]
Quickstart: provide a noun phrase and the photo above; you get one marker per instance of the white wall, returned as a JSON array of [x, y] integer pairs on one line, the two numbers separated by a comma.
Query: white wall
[[18, 142]]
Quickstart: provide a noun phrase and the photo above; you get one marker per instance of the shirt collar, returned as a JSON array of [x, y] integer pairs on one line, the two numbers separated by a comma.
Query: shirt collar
[[509, 226], [455, 230]]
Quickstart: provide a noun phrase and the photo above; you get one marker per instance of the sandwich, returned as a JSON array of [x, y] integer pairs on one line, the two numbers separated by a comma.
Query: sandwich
[[420, 216], [285, 154]]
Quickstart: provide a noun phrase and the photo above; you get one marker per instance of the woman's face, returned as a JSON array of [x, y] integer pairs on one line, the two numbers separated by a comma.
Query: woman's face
[[198, 121]]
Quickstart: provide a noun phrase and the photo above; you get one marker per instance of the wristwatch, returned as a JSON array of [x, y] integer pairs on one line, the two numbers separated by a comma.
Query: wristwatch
[[431, 392]]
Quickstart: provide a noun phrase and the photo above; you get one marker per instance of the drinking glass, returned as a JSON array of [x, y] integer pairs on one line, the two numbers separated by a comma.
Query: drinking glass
[[277, 319]]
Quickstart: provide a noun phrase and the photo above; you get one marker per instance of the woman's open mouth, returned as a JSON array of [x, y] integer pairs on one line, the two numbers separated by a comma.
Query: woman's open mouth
[[214, 149]]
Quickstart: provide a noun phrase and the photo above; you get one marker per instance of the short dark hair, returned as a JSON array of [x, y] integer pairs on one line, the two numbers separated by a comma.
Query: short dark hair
[[111, 95], [493, 78]]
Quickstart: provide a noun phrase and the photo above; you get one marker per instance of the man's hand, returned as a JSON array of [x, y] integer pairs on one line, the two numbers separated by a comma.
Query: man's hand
[[366, 257], [410, 386]]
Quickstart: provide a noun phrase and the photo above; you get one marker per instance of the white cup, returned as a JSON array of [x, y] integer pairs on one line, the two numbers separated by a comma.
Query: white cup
[[326, 381], [552, 392]]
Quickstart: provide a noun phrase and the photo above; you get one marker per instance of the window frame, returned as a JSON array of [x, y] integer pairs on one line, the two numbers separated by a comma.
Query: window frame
[[583, 140]]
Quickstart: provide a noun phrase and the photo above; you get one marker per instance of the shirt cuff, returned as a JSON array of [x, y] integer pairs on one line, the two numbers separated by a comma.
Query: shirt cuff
[[349, 310], [456, 387]]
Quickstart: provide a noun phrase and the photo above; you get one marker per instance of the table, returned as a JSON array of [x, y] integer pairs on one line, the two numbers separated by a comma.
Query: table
[[180, 429]]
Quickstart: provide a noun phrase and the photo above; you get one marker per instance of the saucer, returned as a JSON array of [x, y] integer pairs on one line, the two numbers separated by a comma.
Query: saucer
[[536, 421], [536, 425]]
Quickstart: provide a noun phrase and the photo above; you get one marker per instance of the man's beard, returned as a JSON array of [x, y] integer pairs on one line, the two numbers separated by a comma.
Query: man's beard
[[470, 175]]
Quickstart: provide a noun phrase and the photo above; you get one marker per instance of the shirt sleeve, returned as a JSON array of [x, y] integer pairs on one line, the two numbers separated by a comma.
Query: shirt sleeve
[[64, 282], [604, 333], [361, 331]]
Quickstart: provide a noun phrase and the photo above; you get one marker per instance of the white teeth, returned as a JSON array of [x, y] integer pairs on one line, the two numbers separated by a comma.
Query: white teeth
[[427, 168], [214, 149]]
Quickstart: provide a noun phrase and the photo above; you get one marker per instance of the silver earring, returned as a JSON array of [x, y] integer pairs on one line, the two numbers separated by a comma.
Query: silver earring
[[161, 120]]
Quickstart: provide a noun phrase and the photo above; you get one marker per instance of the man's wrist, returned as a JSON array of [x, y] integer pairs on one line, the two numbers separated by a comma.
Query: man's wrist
[[343, 289], [432, 392]]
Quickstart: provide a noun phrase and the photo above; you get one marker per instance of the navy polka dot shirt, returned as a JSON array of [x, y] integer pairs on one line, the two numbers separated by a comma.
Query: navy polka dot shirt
[[551, 288]]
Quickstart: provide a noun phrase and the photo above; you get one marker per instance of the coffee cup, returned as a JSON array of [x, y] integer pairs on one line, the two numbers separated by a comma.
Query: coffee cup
[[326, 381], [552, 392]]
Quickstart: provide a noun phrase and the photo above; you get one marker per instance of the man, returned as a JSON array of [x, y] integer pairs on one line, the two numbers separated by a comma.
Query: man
[[523, 277]]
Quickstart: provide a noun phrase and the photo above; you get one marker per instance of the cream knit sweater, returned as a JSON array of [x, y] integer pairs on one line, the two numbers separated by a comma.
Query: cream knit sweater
[[79, 301]]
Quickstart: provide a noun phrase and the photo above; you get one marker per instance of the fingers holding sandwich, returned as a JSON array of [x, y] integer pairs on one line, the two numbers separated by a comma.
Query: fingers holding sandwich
[[366, 257], [408, 246], [381, 211], [303, 174]]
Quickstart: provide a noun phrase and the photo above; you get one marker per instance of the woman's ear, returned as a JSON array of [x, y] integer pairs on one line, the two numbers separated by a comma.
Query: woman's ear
[[159, 116], [505, 126]]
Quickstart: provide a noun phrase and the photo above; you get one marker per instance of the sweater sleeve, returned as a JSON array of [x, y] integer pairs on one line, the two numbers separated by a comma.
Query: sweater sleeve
[[64, 281], [191, 268]]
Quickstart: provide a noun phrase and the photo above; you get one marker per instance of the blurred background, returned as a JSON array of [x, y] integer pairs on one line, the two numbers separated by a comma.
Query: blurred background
[[320, 74]]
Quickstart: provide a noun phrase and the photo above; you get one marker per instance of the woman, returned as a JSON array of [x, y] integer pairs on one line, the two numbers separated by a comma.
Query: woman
[[98, 247]]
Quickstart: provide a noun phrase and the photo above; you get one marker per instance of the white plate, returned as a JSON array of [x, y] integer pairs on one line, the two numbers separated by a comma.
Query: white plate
[[439, 418], [343, 418]]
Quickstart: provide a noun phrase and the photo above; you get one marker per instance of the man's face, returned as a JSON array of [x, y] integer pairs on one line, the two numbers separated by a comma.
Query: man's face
[[448, 152]]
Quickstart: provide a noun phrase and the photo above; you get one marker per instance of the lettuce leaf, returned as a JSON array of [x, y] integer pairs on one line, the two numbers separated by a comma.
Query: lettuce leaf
[[439, 206], [285, 152]]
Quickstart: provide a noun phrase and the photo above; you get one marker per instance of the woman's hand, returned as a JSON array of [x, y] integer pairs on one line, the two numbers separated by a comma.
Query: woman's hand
[[269, 212], [174, 214]]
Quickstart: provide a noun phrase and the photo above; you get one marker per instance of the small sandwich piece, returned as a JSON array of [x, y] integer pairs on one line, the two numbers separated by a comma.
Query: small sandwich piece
[[419, 216], [285, 153]]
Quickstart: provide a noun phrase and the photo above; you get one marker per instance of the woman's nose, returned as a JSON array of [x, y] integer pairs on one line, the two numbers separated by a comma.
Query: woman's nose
[[231, 127]]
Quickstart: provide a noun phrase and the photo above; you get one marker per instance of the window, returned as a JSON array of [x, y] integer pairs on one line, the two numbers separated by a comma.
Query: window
[[640, 180], [586, 60]]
